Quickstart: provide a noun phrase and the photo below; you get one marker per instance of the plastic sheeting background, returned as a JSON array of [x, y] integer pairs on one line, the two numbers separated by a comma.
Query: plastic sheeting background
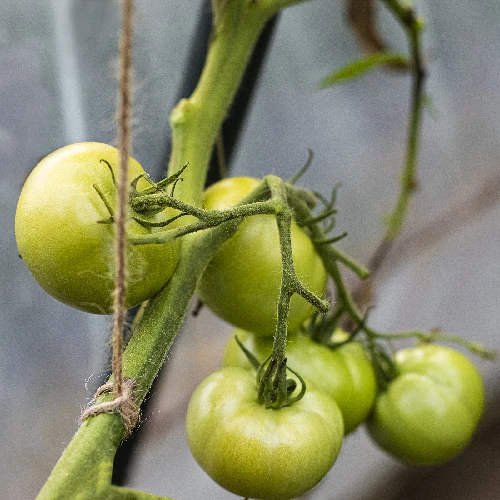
[[57, 85]]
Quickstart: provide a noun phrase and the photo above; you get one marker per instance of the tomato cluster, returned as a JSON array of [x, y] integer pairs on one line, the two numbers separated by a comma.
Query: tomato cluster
[[424, 413]]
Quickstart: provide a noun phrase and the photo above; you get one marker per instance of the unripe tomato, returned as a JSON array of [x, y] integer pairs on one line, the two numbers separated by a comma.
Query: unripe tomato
[[345, 373], [256, 452], [59, 238], [242, 282], [430, 411]]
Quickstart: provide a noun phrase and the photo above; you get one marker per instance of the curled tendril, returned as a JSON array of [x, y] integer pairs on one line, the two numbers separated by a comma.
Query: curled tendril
[[146, 207], [150, 223]]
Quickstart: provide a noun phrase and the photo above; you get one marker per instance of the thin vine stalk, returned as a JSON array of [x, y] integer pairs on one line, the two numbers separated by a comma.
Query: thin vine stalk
[[412, 26], [272, 383]]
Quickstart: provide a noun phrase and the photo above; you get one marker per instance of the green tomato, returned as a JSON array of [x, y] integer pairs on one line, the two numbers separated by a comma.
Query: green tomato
[[242, 282], [59, 238], [256, 452], [345, 373], [430, 411]]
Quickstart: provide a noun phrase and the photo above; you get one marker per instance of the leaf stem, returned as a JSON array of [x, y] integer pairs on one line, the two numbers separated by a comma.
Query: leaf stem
[[437, 336]]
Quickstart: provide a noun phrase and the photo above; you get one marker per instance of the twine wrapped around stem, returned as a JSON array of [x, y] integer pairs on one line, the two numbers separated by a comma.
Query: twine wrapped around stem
[[124, 405]]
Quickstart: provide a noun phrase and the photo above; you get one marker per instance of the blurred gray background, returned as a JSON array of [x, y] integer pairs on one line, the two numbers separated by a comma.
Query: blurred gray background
[[57, 86]]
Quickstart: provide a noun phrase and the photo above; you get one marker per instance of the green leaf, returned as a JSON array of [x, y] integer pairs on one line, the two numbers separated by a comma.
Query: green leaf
[[360, 66]]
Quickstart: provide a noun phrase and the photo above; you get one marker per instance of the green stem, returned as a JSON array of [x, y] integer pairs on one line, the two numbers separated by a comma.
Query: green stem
[[154, 335], [436, 336], [284, 222], [197, 120], [329, 256], [85, 467], [406, 16], [249, 206], [413, 27], [348, 261], [273, 383]]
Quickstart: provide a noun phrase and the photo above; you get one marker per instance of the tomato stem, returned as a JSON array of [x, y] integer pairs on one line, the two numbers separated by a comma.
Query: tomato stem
[[196, 121], [273, 389], [438, 336]]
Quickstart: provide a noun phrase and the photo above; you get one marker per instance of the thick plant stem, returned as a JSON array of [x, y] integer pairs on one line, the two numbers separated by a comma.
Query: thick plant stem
[[196, 121], [145, 351], [86, 465], [84, 469]]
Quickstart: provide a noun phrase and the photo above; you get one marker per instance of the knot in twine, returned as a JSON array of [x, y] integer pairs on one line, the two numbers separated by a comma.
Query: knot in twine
[[124, 405]]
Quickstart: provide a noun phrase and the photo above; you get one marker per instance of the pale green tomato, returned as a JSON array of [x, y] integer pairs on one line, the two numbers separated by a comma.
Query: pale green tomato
[[256, 452], [60, 240], [242, 282], [430, 411], [345, 373]]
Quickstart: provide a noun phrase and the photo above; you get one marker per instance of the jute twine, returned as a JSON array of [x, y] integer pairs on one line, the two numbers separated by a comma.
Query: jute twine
[[122, 389], [123, 405]]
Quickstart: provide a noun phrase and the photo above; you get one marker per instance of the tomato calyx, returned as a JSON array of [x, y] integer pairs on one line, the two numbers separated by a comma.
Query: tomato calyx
[[383, 364], [274, 389], [143, 204]]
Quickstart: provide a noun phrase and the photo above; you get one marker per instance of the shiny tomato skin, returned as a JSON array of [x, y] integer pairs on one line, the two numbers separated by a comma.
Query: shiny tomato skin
[[242, 282], [256, 452], [429, 412], [60, 240], [345, 373]]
